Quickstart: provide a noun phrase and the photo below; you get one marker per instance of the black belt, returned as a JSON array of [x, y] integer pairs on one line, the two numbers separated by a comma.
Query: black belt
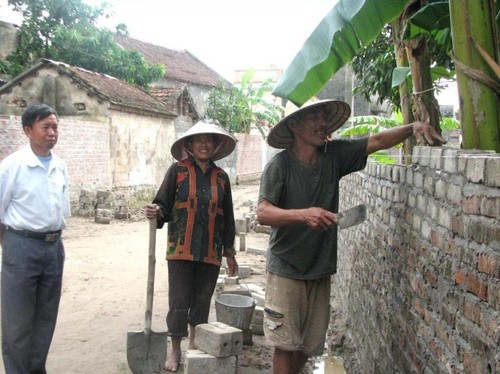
[[48, 237]]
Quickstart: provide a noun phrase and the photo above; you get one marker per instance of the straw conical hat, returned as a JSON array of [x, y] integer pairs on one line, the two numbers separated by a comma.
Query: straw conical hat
[[337, 111], [225, 141]]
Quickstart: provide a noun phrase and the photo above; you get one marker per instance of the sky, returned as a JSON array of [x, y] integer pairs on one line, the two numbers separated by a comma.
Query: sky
[[226, 35]]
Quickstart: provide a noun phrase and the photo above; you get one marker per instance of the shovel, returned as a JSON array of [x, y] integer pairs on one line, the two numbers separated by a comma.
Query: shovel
[[147, 350], [352, 216]]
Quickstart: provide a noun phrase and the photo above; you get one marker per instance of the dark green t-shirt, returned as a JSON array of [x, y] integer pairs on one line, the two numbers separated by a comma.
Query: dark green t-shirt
[[297, 251]]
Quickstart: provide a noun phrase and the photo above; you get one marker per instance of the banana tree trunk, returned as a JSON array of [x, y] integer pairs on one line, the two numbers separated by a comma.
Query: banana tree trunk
[[425, 105], [474, 31], [404, 88]]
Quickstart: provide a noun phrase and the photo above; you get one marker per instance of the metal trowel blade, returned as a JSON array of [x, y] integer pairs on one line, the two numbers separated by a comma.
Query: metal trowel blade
[[352, 216]]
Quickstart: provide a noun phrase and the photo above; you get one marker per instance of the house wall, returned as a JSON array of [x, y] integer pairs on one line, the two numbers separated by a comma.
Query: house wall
[[83, 145], [199, 94], [127, 154], [249, 151], [140, 148], [419, 281], [47, 86]]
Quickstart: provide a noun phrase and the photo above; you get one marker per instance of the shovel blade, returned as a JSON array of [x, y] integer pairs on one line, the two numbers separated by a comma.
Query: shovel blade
[[352, 216], [146, 352]]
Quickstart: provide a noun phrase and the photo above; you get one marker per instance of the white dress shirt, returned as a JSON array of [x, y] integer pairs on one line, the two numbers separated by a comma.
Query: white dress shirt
[[31, 197]]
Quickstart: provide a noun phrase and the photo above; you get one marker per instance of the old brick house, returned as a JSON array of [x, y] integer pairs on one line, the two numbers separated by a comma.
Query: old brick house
[[114, 136], [187, 81]]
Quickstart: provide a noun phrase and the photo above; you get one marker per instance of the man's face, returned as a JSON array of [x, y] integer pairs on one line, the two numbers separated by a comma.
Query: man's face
[[202, 146], [43, 135], [311, 126]]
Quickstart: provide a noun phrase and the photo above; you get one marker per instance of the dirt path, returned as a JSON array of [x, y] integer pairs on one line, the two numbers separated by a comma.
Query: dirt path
[[104, 294]]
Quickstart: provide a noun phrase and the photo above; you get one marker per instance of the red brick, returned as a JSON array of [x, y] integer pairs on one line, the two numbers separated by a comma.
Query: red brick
[[471, 204], [477, 287], [489, 263], [457, 224], [459, 277]]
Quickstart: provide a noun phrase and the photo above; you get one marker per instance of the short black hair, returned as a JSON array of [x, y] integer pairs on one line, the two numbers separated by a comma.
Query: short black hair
[[36, 112]]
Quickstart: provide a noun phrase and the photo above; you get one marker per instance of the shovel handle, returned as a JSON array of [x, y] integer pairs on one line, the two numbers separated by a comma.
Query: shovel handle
[[151, 274]]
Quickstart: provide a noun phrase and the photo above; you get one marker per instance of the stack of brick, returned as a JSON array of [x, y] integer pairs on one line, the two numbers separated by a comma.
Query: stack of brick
[[96, 203], [104, 207], [122, 210], [218, 348], [87, 202], [259, 295]]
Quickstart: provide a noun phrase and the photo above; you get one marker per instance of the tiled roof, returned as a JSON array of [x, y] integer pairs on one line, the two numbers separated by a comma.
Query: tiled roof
[[103, 86], [180, 65]]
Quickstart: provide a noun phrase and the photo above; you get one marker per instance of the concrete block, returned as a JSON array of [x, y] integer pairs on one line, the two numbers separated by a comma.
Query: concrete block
[[217, 340], [198, 362], [258, 316], [257, 251], [257, 329], [244, 271], [236, 336], [103, 220], [231, 280], [219, 287], [248, 337]]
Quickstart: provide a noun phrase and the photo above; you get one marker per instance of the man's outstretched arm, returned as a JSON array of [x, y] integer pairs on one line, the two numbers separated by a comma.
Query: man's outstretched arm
[[389, 138]]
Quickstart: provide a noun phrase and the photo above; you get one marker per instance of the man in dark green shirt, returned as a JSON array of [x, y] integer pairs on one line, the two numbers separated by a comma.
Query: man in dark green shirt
[[298, 198]]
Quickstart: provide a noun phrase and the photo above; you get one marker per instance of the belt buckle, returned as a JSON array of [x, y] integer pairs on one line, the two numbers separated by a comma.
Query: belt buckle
[[51, 237]]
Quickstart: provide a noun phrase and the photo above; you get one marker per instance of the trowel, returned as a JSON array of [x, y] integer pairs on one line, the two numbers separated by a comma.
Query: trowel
[[352, 216]]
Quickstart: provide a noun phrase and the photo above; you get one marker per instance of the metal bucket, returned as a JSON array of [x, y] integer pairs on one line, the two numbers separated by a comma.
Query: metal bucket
[[234, 310]]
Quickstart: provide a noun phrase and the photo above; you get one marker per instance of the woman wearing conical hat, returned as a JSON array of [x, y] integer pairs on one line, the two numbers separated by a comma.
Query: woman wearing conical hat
[[195, 200]]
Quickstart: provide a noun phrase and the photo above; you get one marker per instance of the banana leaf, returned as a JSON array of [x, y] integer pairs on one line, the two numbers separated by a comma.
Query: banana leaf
[[347, 28]]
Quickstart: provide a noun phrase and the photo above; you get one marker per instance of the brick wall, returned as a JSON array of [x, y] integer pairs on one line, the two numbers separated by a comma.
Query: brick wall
[[127, 154], [419, 281], [249, 156], [84, 146]]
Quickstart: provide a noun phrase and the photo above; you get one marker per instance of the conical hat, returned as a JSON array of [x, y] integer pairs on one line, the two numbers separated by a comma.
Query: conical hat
[[225, 141], [338, 113]]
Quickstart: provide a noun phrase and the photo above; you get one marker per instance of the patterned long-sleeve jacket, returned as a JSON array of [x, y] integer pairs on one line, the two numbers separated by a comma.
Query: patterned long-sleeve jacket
[[198, 207]]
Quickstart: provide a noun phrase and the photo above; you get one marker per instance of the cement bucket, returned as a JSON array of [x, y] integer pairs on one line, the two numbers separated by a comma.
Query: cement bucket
[[234, 310]]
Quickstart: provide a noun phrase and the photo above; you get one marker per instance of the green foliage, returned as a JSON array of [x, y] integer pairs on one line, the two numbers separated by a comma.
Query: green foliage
[[65, 30], [449, 124], [239, 108], [377, 74], [373, 68]]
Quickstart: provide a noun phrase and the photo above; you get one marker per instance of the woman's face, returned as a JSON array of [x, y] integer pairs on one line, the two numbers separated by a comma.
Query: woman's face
[[203, 146]]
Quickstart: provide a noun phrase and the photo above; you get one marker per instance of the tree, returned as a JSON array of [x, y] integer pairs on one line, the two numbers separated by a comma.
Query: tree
[[476, 55], [65, 30], [352, 24], [239, 108]]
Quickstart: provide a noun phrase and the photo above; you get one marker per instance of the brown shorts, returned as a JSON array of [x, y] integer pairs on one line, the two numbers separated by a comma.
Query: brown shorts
[[297, 313]]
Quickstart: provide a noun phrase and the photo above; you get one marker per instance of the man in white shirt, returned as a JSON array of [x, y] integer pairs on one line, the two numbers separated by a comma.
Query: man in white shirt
[[34, 203]]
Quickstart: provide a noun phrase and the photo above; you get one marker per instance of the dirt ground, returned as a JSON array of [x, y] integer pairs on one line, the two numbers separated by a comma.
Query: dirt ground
[[104, 293]]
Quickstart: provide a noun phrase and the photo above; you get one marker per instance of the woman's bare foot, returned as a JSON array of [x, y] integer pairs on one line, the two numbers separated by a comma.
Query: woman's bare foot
[[172, 363]]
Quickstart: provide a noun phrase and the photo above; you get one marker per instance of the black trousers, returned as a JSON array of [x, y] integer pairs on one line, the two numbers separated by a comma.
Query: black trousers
[[191, 286]]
